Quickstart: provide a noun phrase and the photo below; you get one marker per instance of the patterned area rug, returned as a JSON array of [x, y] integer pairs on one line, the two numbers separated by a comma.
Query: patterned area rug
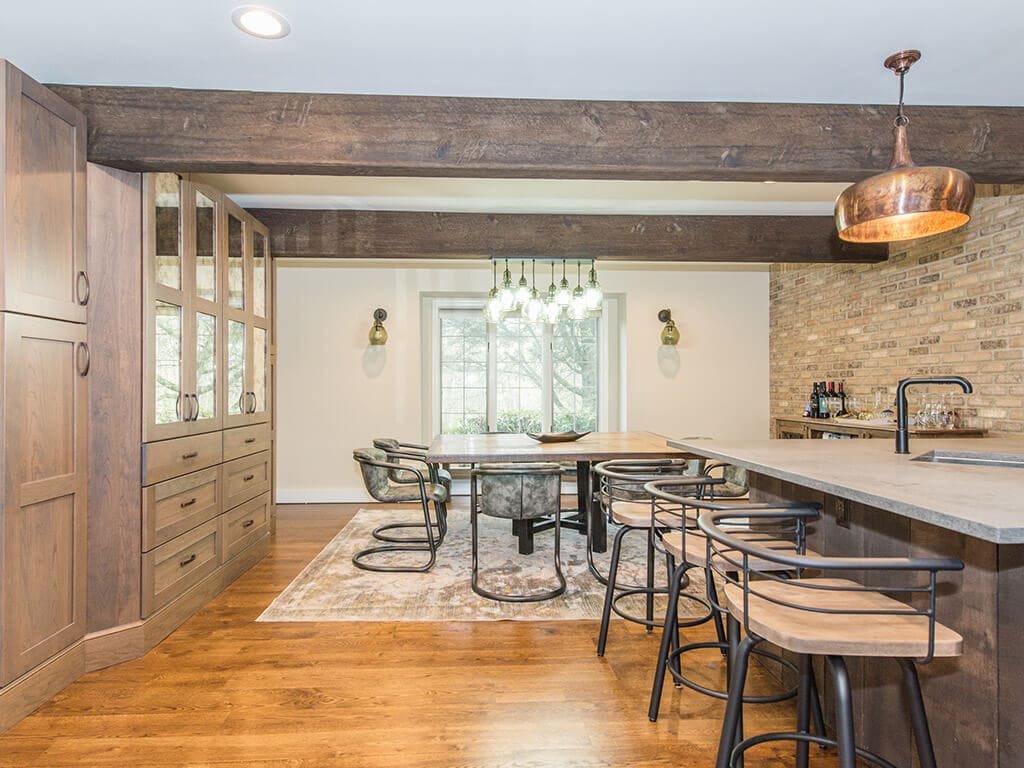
[[330, 588]]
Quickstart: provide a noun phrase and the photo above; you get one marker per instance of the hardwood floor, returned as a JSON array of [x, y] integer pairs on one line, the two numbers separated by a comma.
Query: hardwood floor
[[224, 690]]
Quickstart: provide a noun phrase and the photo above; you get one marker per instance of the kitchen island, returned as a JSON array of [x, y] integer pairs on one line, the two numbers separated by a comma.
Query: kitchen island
[[878, 503]]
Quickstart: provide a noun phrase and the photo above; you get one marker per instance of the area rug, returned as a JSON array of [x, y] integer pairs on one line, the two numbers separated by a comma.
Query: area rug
[[330, 588]]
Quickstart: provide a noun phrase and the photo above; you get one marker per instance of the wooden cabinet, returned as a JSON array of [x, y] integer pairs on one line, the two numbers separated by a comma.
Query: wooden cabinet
[[42, 205], [183, 233], [45, 477], [800, 427]]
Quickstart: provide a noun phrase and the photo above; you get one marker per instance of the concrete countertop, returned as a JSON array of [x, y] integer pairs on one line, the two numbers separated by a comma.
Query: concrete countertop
[[979, 501]]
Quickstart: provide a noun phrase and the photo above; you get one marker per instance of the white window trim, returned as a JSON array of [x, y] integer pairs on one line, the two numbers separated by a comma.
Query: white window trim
[[611, 351]]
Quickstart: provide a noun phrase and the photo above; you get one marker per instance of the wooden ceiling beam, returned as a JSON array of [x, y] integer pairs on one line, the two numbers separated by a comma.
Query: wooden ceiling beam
[[333, 234], [171, 129]]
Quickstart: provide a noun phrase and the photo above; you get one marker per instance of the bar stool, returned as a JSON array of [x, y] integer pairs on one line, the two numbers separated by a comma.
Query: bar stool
[[679, 537], [830, 617], [620, 489]]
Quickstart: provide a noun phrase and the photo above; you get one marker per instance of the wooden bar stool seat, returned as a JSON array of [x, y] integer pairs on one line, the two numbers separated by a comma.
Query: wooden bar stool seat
[[889, 633]]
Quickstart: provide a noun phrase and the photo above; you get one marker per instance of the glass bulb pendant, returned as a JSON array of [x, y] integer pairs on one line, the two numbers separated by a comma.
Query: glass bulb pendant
[[564, 294], [593, 295]]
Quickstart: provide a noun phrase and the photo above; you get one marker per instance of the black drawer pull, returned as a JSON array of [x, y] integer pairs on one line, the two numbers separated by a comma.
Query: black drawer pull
[[248, 522], [190, 455], [189, 503], [250, 440], [247, 478], [187, 560]]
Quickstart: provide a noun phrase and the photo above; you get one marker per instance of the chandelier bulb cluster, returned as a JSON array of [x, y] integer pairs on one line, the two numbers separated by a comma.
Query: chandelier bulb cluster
[[558, 303]]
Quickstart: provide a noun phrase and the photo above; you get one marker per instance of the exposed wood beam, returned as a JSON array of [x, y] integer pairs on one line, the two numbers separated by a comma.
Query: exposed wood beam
[[146, 129], [334, 234]]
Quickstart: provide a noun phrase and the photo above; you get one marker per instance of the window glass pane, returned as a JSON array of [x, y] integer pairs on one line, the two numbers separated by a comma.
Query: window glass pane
[[168, 362], [236, 367], [259, 274], [574, 369], [463, 352], [236, 264], [167, 230], [206, 246], [259, 368], [520, 368], [206, 365]]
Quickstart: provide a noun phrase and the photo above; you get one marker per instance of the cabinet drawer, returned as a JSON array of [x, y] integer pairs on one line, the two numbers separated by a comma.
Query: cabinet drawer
[[174, 506], [182, 562], [243, 441], [171, 458], [244, 524], [246, 478]]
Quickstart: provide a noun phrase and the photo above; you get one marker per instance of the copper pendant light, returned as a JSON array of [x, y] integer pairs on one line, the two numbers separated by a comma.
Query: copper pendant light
[[906, 202]]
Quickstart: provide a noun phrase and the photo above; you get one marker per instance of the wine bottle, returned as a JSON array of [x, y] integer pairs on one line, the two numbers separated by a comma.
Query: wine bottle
[[822, 405], [842, 401], [811, 412]]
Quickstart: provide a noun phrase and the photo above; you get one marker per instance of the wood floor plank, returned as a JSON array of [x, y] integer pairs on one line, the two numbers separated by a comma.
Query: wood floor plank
[[224, 690]]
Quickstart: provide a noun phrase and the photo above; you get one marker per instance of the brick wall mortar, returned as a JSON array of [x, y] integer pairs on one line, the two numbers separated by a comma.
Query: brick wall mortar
[[947, 304]]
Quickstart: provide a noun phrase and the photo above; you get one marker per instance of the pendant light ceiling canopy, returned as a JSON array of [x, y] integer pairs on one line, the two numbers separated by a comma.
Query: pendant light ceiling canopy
[[907, 201]]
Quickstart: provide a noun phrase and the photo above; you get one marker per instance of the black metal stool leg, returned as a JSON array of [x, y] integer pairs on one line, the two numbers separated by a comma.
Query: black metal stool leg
[[649, 603], [846, 742], [819, 717], [717, 615], [609, 595], [666, 641], [803, 709], [918, 716], [732, 723]]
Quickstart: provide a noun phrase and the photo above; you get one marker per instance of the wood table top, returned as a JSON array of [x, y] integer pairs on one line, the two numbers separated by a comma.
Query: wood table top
[[597, 446]]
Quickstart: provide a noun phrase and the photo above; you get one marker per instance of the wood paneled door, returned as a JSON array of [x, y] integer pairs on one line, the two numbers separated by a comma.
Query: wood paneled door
[[45, 457], [42, 172]]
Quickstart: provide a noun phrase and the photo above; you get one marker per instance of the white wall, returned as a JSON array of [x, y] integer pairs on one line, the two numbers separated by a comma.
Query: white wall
[[335, 392]]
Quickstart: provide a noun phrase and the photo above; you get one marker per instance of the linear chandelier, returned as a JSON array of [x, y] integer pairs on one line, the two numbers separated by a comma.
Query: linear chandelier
[[559, 303]]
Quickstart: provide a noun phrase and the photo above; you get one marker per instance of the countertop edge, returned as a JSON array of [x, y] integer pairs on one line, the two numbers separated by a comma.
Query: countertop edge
[[906, 509]]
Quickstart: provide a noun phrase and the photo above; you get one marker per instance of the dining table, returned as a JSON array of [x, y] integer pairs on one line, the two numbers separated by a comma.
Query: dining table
[[592, 448]]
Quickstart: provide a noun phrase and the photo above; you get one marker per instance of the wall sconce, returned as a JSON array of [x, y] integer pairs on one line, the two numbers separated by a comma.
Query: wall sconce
[[669, 334], [378, 334]]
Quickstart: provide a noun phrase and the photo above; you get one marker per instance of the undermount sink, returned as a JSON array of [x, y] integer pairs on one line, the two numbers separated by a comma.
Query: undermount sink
[[973, 457]]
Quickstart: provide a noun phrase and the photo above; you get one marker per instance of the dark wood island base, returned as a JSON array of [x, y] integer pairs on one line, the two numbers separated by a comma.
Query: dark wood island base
[[975, 702]]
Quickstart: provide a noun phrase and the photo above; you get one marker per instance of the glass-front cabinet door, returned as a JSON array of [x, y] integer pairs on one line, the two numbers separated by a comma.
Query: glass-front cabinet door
[[260, 374], [166, 405], [204, 227]]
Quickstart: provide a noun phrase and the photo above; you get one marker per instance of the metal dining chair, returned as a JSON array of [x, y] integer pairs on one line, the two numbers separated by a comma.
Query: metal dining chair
[[519, 492]]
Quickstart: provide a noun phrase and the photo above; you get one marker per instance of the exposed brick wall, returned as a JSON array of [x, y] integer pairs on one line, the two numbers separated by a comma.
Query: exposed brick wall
[[947, 304]]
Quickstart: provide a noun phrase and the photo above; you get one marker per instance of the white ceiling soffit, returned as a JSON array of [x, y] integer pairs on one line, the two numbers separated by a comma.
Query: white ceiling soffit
[[732, 50], [528, 195]]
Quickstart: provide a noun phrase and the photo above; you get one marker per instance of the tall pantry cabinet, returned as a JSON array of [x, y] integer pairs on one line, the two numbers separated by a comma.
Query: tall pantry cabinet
[[44, 396]]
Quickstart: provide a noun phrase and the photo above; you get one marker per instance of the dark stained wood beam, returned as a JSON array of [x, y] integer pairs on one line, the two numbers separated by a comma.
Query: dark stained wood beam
[[330, 234], [170, 129]]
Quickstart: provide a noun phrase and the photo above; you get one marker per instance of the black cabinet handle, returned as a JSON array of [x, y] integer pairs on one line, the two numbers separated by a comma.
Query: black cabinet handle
[[190, 455], [249, 440], [248, 523], [189, 503], [83, 367], [247, 478], [187, 560], [83, 280], [195, 412]]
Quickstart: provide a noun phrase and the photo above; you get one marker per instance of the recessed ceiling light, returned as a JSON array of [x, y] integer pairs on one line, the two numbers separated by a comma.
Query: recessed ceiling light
[[260, 22]]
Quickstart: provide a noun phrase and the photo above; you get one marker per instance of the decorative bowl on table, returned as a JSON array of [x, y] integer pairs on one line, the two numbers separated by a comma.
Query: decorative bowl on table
[[557, 437]]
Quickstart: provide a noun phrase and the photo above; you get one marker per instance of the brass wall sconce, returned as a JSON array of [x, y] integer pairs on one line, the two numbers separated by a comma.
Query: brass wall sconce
[[669, 334], [907, 201], [378, 333]]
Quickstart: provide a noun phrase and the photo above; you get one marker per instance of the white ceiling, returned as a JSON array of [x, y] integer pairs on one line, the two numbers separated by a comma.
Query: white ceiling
[[727, 50]]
